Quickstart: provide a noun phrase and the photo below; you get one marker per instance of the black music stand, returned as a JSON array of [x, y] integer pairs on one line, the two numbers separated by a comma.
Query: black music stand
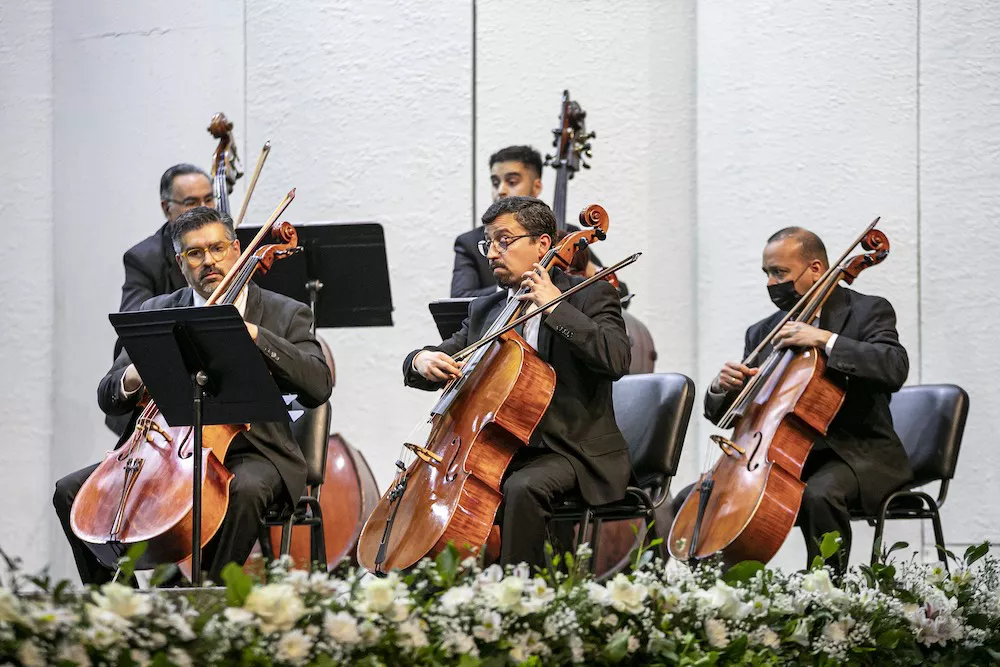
[[449, 314], [207, 351], [342, 274]]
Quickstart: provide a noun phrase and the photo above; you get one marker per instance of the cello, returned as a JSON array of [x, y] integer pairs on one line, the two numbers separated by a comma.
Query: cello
[[447, 487], [226, 166], [142, 491], [746, 505]]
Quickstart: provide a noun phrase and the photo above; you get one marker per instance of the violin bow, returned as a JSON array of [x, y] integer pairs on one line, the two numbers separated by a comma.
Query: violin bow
[[461, 355], [264, 152]]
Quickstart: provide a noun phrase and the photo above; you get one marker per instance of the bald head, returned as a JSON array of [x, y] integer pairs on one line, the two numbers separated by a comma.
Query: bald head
[[808, 245]]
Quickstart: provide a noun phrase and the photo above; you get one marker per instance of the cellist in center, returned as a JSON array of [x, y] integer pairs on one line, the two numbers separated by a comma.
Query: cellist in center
[[577, 447]]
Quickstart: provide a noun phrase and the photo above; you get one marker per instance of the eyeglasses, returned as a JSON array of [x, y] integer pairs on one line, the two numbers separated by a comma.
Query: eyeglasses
[[501, 243], [191, 202], [196, 256]]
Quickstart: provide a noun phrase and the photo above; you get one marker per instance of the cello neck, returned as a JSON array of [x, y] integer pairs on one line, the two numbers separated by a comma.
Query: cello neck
[[559, 198], [220, 189]]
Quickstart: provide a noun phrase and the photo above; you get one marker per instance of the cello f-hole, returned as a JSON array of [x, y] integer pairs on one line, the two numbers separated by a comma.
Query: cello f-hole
[[457, 444], [760, 439]]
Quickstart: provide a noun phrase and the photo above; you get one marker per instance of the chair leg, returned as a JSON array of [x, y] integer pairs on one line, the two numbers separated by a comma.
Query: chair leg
[[939, 536], [286, 536], [595, 543], [266, 546], [318, 541], [661, 548], [877, 540]]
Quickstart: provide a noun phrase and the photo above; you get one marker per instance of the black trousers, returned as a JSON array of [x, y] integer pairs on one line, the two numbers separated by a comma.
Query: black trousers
[[832, 490], [256, 486], [535, 479]]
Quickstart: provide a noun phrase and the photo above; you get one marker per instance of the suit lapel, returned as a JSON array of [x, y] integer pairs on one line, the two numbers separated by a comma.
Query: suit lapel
[[835, 311], [562, 281], [172, 276]]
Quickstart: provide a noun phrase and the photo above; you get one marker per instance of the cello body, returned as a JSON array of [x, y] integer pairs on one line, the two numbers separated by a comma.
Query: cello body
[[456, 500], [154, 506], [761, 488]]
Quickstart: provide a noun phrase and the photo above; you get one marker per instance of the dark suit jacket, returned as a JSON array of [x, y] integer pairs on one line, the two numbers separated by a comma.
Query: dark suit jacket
[[868, 357], [150, 270], [292, 355], [584, 340], [471, 275]]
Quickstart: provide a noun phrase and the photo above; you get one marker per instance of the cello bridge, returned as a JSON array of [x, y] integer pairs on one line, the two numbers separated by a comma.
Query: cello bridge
[[424, 454], [728, 447]]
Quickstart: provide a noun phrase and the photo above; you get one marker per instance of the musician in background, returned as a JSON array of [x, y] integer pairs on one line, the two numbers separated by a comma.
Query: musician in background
[[861, 459], [266, 461], [577, 446], [515, 171], [150, 267]]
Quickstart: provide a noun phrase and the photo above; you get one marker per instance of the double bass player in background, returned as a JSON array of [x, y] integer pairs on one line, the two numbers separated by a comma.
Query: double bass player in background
[[577, 445], [266, 462], [861, 459]]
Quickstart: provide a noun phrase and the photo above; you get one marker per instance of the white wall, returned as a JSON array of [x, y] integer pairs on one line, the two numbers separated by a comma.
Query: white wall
[[718, 122], [26, 272]]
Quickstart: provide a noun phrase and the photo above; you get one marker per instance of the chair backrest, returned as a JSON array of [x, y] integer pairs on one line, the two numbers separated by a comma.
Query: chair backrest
[[652, 411], [312, 432], [930, 420]]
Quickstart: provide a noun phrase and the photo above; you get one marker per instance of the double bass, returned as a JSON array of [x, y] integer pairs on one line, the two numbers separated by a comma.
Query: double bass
[[746, 505], [142, 491], [226, 166], [447, 487]]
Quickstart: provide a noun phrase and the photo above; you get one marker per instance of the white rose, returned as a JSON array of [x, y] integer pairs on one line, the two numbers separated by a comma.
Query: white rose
[[818, 581], [489, 626], [766, 637], [341, 627], [413, 633], [597, 593], [626, 596], [30, 655], [507, 594], [725, 599], [837, 631], [294, 647], [122, 600], [10, 607], [73, 653], [715, 632], [800, 635], [277, 606], [456, 597], [378, 593]]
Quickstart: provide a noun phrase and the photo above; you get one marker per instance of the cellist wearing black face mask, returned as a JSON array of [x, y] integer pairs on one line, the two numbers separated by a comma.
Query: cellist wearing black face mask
[[861, 459]]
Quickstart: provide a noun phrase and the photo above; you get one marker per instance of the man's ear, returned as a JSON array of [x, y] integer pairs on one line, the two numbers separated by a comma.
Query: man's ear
[[164, 205], [536, 187], [179, 261]]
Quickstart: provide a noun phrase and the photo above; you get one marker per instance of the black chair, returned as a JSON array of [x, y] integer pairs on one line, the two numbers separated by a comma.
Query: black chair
[[652, 411], [930, 420], [312, 432]]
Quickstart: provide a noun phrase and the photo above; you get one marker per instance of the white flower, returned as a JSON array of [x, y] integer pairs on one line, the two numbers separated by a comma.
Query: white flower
[[715, 632], [626, 596], [413, 633], [576, 647], [455, 597], [526, 645], [10, 607], [837, 631], [522, 571], [106, 628], [459, 643], [179, 658], [341, 627], [491, 575], [937, 574], [277, 606], [818, 581], [238, 616], [489, 626], [30, 655], [597, 593], [73, 653], [400, 609], [378, 594], [141, 658], [507, 594], [765, 636], [539, 590], [294, 647], [725, 599], [122, 601], [180, 625], [633, 644], [800, 635]]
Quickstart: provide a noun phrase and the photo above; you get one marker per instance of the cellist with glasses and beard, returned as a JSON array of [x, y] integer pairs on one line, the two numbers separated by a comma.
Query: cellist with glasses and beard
[[577, 447]]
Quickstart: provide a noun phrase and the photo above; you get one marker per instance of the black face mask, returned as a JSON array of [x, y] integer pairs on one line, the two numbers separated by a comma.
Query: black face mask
[[783, 295]]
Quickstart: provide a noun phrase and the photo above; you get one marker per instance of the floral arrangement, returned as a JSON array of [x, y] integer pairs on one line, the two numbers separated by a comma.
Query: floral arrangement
[[447, 611]]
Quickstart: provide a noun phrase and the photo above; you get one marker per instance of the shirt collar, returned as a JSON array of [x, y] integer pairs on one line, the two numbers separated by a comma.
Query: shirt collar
[[241, 301]]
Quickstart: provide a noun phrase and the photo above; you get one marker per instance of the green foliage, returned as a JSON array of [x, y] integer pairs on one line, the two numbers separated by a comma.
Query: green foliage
[[238, 585]]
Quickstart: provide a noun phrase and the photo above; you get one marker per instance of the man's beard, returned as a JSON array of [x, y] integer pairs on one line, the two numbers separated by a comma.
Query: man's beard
[[206, 285], [506, 280]]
